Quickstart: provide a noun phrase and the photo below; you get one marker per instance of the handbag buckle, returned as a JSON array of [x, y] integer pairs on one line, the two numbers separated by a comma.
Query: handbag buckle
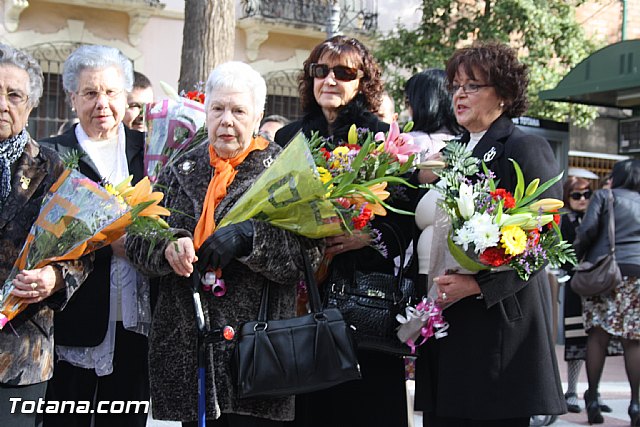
[[334, 289], [260, 326], [375, 293]]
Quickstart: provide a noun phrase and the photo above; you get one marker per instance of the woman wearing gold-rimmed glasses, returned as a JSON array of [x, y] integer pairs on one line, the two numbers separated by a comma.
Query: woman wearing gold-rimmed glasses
[[101, 340]]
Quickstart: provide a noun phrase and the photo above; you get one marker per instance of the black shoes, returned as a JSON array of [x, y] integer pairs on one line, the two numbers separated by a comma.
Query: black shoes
[[572, 403], [634, 413], [594, 415]]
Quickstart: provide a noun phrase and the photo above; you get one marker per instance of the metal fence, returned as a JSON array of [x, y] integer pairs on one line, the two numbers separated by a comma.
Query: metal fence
[[355, 15]]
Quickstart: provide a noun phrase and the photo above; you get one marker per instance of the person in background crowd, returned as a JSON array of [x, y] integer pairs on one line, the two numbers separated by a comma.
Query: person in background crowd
[[577, 193], [27, 171], [101, 343], [387, 111], [272, 124], [616, 314], [141, 94], [341, 86], [428, 101], [497, 366], [250, 254]]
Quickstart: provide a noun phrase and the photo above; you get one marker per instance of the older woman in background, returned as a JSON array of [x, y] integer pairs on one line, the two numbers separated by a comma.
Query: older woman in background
[[616, 314], [341, 86], [203, 185], [101, 342], [27, 171], [497, 366]]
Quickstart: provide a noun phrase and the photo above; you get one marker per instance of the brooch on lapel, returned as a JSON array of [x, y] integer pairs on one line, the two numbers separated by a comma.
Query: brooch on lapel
[[489, 155], [186, 167], [24, 182], [267, 162]]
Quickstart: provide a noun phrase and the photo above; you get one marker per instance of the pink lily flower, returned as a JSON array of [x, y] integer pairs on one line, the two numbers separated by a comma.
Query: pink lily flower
[[400, 145]]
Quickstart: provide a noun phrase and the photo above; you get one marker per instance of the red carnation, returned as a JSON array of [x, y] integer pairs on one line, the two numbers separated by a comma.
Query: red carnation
[[502, 194], [195, 95], [325, 153], [363, 219], [494, 257]]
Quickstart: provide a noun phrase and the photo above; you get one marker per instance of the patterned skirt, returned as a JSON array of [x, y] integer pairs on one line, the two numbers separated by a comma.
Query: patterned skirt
[[617, 313]]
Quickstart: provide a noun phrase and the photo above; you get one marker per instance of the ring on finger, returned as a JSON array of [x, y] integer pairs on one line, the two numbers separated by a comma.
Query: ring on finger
[[34, 286]]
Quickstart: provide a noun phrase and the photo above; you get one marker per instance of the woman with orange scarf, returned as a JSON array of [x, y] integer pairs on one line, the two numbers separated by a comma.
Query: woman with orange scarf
[[201, 186]]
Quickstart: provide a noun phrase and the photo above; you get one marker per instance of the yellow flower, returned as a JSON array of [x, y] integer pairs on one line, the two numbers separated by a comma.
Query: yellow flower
[[325, 175], [514, 239], [341, 152]]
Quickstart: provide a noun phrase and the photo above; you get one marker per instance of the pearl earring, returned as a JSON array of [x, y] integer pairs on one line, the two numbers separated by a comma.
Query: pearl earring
[[501, 104]]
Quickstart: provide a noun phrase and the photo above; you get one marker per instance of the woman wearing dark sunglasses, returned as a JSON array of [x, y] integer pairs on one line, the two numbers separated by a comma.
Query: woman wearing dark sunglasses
[[577, 193], [340, 86]]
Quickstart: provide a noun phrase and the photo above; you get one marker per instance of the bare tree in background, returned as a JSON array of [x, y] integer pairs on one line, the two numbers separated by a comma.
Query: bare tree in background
[[208, 39]]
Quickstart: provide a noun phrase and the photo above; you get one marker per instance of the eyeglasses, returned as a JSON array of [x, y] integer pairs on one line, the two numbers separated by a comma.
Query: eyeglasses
[[340, 72], [577, 195], [467, 88], [93, 95], [15, 98]]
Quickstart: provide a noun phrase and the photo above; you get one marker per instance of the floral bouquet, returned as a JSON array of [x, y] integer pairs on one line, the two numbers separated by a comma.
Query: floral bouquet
[[175, 125], [77, 217], [493, 229], [317, 193], [356, 175]]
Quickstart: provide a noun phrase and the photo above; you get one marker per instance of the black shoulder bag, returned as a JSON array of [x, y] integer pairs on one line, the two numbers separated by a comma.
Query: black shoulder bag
[[370, 301], [275, 358], [600, 277]]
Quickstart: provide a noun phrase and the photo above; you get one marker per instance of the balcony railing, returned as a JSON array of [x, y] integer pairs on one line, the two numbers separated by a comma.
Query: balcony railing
[[355, 15]]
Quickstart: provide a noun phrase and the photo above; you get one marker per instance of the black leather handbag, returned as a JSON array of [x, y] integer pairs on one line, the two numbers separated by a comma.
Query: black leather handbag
[[275, 358], [600, 277], [370, 301]]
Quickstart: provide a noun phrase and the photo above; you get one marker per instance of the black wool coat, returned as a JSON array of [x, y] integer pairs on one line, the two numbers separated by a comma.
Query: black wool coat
[[84, 321], [276, 259], [358, 403], [498, 360]]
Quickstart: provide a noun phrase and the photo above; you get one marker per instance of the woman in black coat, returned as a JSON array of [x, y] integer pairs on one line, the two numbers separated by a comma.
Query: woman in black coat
[[497, 366], [339, 87]]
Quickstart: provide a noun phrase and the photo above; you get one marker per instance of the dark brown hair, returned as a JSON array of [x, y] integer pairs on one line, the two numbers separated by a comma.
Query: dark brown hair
[[357, 56], [572, 184], [498, 64]]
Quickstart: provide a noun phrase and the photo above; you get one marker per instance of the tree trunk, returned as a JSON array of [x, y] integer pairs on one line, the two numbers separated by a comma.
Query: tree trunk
[[208, 39]]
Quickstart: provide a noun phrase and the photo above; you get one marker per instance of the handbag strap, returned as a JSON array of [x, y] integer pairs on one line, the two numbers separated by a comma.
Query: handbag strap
[[612, 222], [312, 289], [402, 250]]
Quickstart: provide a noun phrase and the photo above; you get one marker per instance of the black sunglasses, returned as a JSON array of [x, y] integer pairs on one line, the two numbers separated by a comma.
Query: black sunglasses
[[342, 73], [577, 195]]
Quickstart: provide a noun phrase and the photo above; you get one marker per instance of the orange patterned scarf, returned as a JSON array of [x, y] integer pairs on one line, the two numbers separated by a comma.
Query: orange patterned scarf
[[224, 173]]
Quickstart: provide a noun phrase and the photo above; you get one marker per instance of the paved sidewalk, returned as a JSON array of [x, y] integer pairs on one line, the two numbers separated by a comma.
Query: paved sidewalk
[[614, 390]]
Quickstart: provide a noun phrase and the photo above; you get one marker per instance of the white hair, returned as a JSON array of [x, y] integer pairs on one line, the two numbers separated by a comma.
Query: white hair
[[95, 57], [237, 76]]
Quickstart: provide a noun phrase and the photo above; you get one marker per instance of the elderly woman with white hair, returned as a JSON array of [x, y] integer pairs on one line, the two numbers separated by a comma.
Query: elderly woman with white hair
[[101, 343], [27, 172], [202, 186]]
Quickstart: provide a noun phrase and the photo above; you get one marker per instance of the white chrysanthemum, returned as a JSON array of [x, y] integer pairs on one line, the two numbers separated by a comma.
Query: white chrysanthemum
[[463, 237], [485, 233]]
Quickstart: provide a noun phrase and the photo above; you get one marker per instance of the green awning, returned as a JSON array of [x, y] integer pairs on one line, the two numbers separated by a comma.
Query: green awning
[[609, 77]]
